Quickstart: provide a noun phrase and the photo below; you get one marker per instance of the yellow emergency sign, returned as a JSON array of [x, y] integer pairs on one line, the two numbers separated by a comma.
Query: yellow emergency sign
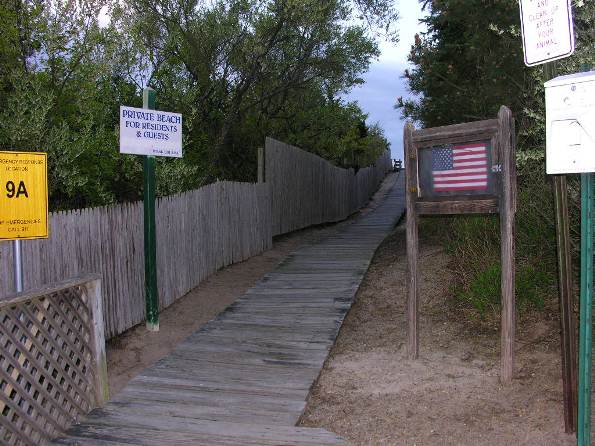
[[23, 195]]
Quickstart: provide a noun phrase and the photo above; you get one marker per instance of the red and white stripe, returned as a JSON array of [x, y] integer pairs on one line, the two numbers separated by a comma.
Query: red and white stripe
[[469, 172]]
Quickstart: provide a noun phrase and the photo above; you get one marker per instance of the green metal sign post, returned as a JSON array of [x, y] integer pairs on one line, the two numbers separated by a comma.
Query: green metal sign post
[[152, 301], [586, 309], [150, 133], [585, 329]]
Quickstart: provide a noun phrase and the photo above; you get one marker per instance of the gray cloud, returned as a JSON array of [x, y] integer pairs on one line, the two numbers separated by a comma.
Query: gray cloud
[[383, 81], [377, 98]]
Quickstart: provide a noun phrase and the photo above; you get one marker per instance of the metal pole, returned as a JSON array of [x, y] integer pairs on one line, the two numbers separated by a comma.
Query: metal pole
[[585, 330], [18, 265], [152, 299]]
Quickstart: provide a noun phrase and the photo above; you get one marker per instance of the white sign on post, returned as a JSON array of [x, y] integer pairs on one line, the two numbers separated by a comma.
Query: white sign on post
[[570, 123], [150, 132], [547, 30]]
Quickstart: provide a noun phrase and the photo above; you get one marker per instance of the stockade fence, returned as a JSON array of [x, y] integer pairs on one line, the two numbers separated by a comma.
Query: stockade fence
[[198, 232], [308, 190]]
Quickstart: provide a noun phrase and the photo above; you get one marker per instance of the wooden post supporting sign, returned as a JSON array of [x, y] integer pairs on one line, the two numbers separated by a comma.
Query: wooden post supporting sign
[[412, 241], [463, 169], [568, 347], [507, 208]]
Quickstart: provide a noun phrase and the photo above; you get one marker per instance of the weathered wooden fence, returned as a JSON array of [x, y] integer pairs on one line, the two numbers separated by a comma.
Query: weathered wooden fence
[[52, 366], [198, 232], [308, 190]]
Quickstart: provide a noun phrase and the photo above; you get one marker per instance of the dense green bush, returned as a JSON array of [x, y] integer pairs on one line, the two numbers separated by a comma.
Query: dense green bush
[[474, 245]]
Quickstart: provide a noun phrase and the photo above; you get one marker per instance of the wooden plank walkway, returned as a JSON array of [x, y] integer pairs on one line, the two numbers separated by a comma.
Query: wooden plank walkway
[[243, 379]]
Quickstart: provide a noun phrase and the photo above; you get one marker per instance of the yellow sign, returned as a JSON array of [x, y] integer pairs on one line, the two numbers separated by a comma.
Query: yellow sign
[[23, 195]]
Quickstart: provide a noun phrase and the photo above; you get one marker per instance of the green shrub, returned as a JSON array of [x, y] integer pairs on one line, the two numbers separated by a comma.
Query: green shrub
[[532, 287], [473, 243], [483, 292]]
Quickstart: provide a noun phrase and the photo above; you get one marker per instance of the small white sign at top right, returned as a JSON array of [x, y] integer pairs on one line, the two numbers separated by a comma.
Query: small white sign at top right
[[547, 30]]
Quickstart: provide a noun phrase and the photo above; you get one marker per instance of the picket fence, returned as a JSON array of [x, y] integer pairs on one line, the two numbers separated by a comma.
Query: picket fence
[[198, 232], [308, 190]]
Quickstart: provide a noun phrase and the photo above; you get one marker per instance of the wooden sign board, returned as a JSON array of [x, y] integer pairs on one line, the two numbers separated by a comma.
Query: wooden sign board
[[463, 169], [23, 195]]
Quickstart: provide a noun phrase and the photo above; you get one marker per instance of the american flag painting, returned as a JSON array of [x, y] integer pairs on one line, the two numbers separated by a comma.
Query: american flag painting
[[460, 167]]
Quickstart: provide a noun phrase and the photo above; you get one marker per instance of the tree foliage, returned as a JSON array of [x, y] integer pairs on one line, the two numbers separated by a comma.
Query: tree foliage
[[468, 64], [470, 61], [238, 70]]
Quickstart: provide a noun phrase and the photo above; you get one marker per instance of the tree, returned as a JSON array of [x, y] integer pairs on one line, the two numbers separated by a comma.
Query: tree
[[470, 61], [238, 70], [60, 98], [246, 61], [467, 64]]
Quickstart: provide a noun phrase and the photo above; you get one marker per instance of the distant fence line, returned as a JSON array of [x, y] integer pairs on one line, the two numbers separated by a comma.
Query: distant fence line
[[198, 231], [308, 190]]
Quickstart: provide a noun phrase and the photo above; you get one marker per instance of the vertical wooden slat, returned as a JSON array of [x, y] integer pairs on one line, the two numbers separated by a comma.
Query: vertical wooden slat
[[260, 177]]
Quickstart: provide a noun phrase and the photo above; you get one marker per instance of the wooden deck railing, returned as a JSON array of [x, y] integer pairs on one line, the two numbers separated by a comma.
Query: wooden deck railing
[[52, 360]]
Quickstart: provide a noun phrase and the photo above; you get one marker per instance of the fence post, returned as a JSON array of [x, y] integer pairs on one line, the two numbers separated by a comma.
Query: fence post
[[93, 291], [507, 211]]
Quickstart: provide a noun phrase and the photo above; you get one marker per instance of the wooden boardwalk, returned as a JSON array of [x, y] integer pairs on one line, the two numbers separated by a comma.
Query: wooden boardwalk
[[243, 379]]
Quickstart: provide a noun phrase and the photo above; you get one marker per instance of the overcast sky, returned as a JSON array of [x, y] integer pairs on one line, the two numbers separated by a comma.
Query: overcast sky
[[383, 81]]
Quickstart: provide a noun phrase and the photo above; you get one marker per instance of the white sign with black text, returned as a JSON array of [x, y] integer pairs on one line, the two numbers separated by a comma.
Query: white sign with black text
[[150, 132], [547, 30]]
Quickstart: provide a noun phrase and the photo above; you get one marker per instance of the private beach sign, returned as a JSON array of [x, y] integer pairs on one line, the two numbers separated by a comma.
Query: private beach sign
[[150, 132]]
